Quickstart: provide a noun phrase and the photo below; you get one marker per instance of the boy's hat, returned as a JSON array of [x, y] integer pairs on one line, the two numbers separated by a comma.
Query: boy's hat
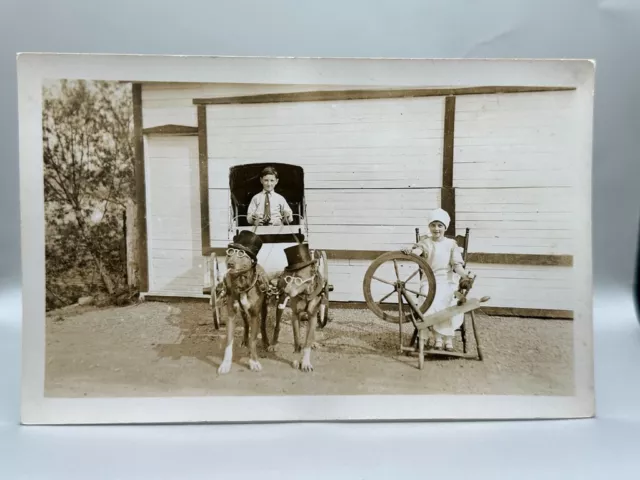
[[298, 257], [248, 242], [439, 215]]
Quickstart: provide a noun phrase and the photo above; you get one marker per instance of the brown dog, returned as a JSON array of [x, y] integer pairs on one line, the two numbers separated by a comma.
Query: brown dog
[[246, 287], [302, 284]]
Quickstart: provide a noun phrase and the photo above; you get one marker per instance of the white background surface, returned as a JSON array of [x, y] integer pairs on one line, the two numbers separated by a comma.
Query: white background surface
[[604, 30]]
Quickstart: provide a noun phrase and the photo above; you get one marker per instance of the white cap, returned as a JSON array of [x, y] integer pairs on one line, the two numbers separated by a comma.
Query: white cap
[[441, 216]]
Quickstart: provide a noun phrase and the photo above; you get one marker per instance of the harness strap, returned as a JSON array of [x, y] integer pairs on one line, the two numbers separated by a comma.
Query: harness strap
[[319, 289]]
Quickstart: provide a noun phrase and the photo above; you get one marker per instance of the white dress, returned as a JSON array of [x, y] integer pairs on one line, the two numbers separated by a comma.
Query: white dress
[[442, 256]]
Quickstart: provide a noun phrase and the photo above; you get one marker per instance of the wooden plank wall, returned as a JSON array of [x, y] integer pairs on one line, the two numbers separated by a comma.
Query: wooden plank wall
[[511, 188], [350, 152], [171, 162]]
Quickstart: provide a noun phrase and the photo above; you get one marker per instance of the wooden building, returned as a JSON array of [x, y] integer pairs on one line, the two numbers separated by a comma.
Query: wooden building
[[374, 162]]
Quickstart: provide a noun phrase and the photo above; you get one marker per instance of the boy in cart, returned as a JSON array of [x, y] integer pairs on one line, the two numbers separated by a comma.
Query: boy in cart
[[444, 257], [269, 207]]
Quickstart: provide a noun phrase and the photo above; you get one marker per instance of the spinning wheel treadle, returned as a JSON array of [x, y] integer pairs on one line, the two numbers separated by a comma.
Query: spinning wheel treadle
[[395, 270]]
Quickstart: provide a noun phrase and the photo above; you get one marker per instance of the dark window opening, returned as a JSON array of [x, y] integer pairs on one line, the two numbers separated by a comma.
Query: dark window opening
[[244, 183]]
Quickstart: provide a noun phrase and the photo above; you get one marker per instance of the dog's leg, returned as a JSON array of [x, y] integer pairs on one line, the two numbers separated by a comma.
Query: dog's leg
[[232, 310], [276, 329], [251, 323], [245, 319], [295, 323], [264, 321], [311, 312]]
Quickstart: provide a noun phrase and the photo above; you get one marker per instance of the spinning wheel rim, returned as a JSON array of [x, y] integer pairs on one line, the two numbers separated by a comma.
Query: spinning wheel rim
[[394, 316]]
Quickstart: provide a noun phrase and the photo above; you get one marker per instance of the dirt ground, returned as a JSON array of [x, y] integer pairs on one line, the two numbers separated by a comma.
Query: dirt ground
[[160, 349]]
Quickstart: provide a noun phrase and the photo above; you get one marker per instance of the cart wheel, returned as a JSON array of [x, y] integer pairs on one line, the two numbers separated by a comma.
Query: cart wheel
[[215, 301], [323, 267], [383, 278]]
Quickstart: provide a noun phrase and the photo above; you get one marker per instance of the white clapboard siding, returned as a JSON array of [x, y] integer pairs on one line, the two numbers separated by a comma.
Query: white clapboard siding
[[347, 219], [219, 216], [172, 103], [513, 140], [517, 220], [522, 286], [173, 215], [513, 286], [373, 168], [397, 143]]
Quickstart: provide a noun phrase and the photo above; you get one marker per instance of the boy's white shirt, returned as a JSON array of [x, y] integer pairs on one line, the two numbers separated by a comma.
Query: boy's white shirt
[[279, 206]]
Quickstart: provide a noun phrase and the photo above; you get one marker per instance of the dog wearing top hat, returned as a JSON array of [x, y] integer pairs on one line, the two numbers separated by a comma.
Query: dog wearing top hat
[[302, 284], [246, 286]]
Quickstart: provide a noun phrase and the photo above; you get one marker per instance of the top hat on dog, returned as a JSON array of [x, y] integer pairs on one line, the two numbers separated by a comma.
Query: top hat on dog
[[248, 242], [298, 257]]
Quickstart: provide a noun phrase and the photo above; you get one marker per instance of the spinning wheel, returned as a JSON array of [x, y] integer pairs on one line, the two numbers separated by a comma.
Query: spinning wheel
[[396, 277], [392, 276]]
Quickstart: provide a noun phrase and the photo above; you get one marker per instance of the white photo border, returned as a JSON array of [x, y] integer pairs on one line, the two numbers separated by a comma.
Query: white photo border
[[35, 68]]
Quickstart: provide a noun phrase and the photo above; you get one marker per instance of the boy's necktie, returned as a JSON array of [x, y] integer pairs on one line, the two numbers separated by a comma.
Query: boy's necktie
[[267, 209]]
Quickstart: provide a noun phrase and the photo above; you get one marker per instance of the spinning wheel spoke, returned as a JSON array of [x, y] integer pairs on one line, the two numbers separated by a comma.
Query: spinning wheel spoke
[[395, 265], [383, 281], [411, 276], [419, 294], [386, 296]]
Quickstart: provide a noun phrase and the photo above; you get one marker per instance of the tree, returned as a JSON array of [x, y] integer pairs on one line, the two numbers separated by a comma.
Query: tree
[[88, 180]]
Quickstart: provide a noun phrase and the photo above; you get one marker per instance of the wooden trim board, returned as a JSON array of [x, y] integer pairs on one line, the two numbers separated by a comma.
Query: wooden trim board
[[448, 193], [448, 204], [520, 259], [483, 258], [490, 311], [171, 130], [140, 188], [448, 141], [337, 95], [203, 170]]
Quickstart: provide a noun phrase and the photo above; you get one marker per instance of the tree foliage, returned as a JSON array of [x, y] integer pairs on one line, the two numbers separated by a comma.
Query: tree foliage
[[88, 179]]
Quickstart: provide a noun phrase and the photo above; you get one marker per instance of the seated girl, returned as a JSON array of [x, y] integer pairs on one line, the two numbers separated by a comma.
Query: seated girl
[[444, 257]]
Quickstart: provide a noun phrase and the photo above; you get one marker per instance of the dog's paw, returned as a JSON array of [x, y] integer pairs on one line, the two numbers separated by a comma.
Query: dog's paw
[[306, 366], [224, 368], [315, 345], [306, 361], [271, 348], [254, 365], [296, 364], [297, 348]]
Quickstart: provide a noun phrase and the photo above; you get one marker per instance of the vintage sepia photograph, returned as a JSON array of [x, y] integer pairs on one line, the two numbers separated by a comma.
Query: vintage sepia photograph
[[246, 239]]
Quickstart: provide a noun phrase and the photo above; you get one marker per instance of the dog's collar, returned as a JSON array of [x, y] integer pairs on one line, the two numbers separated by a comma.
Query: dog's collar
[[255, 278]]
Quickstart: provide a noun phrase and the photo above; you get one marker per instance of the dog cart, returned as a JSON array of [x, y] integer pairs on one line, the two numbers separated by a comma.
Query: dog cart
[[392, 292], [244, 183]]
